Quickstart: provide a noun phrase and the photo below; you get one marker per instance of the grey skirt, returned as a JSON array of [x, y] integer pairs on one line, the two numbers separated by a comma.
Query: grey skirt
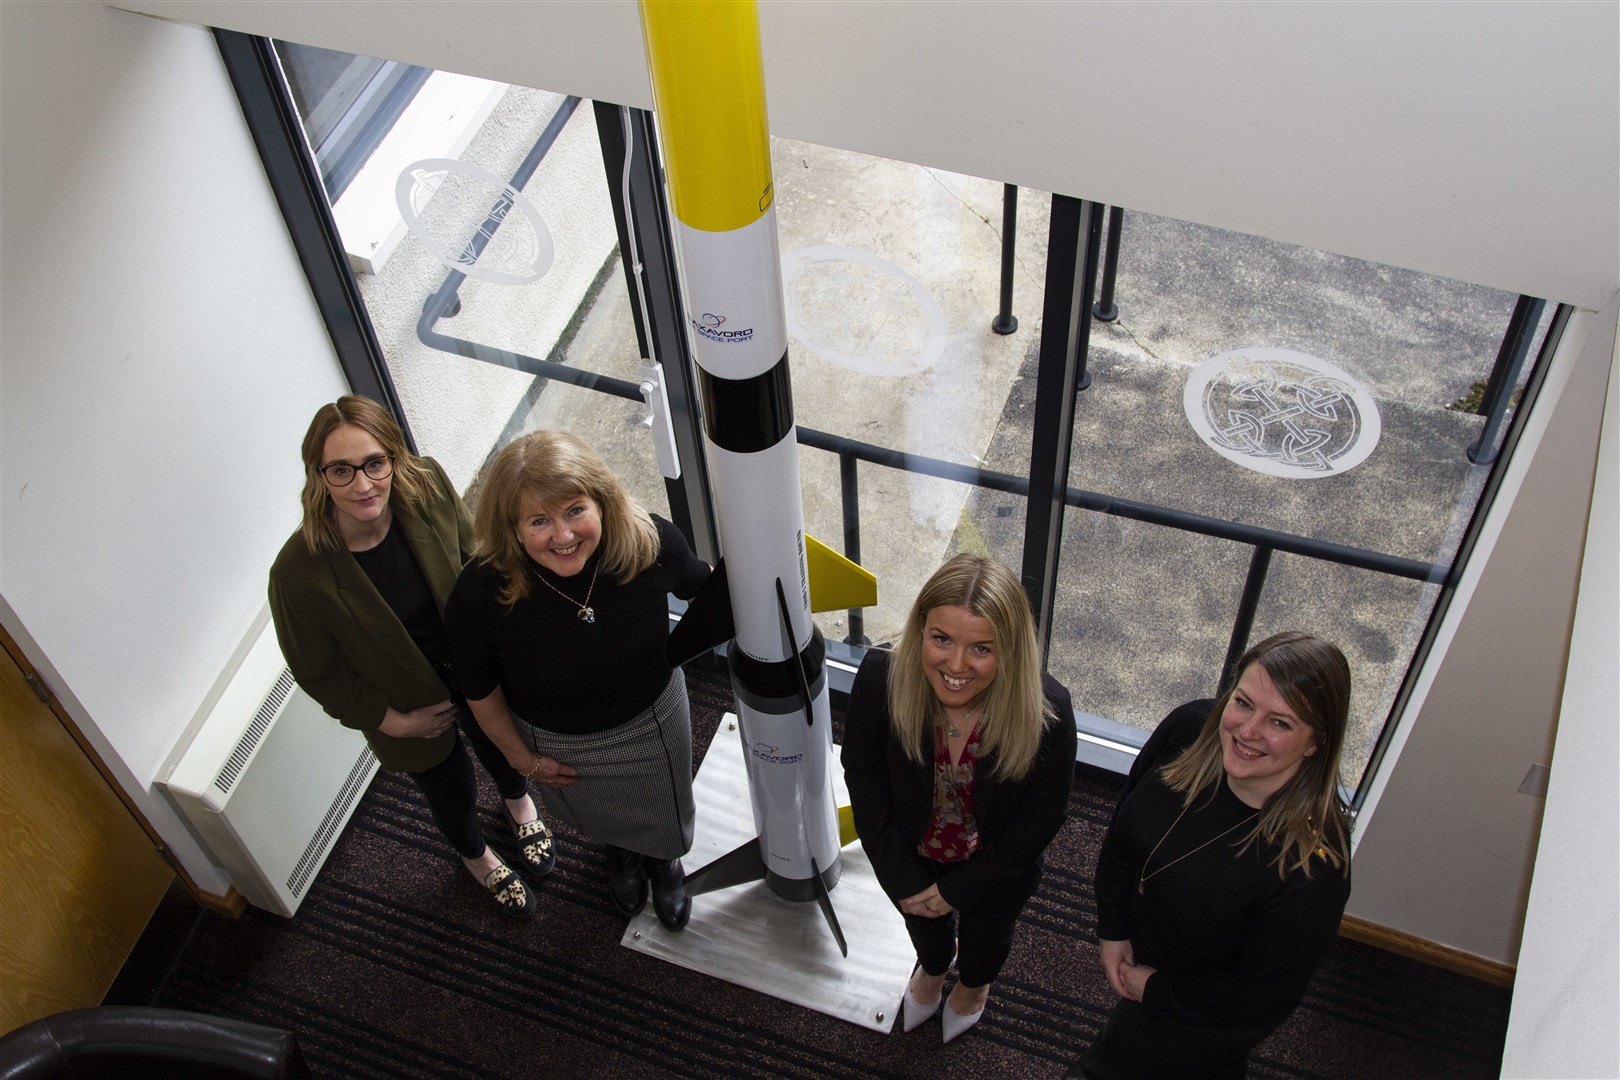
[[635, 780]]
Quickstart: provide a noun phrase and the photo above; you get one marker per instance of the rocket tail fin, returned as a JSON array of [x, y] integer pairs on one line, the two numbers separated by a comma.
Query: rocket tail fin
[[736, 867], [790, 648], [707, 621], [824, 901], [835, 582]]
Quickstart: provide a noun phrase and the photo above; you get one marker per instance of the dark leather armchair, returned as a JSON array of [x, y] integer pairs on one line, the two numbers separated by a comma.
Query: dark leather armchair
[[132, 1043]]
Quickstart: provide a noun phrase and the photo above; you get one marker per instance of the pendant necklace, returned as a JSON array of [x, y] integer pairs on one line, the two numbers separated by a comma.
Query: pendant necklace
[[587, 614], [950, 728], [1141, 880]]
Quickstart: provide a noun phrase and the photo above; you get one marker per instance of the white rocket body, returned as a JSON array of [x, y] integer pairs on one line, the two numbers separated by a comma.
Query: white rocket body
[[731, 269]]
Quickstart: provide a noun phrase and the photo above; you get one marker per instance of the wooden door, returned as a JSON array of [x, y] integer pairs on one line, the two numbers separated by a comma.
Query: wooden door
[[79, 877]]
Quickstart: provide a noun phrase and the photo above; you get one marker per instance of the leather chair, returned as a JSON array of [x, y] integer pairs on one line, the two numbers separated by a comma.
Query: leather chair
[[136, 1043]]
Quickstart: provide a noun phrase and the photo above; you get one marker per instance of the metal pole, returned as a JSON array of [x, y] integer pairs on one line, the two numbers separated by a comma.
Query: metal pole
[[1243, 625], [1106, 310], [1006, 322], [1493, 404], [849, 488]]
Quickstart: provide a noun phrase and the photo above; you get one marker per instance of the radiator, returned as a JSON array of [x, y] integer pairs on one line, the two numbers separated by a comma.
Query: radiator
[[268, 780]]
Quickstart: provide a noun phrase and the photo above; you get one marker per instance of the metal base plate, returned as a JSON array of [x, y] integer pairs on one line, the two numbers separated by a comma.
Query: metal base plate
[[749, 936]]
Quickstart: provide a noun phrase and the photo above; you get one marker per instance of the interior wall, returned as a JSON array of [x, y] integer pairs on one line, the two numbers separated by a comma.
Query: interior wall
[[1449, 841], [159, 359], [1568, 989], [1476, 141]]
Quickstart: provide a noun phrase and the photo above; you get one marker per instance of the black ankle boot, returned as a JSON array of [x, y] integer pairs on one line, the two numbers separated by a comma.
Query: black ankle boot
[[669, 897], [626, 881]]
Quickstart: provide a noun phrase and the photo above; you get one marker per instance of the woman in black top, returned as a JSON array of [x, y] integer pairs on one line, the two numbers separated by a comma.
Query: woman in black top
[[559, 629], [1224, 874], [959, 755], [356, 596]]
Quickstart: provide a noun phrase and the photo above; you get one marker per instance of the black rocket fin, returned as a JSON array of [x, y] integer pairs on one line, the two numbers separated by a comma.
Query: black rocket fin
[[824, 901], [736, 867], [707, 621], [793, 655]]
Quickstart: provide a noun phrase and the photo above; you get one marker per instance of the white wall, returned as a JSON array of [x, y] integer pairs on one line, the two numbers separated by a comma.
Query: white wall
[[1448, 841], [159, 359], [1472, 140], [1568, 990]]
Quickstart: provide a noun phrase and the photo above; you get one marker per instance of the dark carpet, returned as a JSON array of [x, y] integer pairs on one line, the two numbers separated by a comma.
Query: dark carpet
[[397, 965]]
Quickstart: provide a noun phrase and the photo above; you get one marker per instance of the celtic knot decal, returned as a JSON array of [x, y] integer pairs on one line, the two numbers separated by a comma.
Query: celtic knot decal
[[1282, 413]]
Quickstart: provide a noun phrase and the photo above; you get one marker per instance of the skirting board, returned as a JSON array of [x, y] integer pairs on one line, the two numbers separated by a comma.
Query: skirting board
[[1428, 952]]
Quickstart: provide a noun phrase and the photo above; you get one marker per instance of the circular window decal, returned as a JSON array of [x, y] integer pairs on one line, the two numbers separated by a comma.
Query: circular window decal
[[474, 221], [1282, 413], [863, 313]]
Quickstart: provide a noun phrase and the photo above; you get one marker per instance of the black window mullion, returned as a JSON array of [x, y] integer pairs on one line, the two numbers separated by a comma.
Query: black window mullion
[[1071, 268], [295, 180], [691, 503]]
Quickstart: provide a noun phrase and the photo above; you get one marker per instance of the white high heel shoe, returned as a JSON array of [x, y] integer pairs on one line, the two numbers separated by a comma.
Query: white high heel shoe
[[954, 1023], [913, 1013]]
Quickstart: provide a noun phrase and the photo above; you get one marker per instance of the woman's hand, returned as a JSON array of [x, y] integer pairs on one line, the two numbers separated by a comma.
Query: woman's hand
[[1135, 977], [428, 722], [928, 904], [1115, 956], [549, 771]]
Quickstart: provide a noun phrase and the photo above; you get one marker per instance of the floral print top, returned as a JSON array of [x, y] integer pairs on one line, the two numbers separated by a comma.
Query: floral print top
[[952, 834]]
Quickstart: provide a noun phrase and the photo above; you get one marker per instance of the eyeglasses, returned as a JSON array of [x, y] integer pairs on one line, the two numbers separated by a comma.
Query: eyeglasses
[[341, 473]]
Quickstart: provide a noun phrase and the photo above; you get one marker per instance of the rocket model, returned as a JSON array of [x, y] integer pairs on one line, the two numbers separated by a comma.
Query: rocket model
[[709, 93]]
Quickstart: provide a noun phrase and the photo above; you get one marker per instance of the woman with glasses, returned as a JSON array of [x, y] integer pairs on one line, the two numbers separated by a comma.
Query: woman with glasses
[[357, 595], [959, 755], [1227, 867], [560, 628]]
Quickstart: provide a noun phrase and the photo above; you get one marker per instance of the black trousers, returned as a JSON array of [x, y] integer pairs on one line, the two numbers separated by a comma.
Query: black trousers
[[451, 788], [979, 938]]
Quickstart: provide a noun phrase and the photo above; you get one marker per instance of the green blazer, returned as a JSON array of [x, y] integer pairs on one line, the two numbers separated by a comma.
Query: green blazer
[[344, 645]]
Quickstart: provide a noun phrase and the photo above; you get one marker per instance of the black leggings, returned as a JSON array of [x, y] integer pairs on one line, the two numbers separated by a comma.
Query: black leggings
[[451, 789], [979, 938]]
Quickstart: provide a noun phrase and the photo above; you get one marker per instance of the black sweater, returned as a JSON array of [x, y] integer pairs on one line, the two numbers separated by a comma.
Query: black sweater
[[1234, 943], [559, 673]]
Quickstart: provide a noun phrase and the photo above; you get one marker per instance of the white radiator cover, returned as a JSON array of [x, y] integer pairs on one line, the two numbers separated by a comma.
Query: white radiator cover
[[268, 780]]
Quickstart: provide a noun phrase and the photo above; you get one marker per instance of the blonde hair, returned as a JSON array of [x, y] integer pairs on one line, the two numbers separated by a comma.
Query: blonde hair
[[552, 468], [1305, 817], [411, 483], [1016, 711]]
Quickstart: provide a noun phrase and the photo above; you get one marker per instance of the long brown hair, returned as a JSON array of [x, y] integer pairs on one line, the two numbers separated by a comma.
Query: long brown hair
[[412, 483], [553, 468], [1016, 710], [1305, 817]]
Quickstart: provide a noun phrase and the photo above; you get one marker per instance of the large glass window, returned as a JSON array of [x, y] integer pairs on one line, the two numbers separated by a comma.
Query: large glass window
[[1264, 426]]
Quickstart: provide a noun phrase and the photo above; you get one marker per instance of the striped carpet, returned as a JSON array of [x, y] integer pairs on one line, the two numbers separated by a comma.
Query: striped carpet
[[397, 966]]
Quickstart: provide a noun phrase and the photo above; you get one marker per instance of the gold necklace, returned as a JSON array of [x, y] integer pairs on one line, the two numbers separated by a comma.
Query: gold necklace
[[587, 614], [950, 728], [1141, 880]]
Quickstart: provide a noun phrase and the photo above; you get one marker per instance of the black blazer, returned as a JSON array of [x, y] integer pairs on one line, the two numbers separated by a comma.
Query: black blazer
[[892, 798]]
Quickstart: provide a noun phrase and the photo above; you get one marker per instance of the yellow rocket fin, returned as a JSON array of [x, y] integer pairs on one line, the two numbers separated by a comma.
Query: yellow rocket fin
[[835, 582], [846, 826]]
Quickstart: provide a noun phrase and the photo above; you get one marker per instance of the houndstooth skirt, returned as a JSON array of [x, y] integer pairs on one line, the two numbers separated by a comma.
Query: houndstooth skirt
[[635, 780]]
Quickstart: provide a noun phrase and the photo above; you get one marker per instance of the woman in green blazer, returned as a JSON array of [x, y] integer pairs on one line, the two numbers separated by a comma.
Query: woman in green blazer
[[357, 596]]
